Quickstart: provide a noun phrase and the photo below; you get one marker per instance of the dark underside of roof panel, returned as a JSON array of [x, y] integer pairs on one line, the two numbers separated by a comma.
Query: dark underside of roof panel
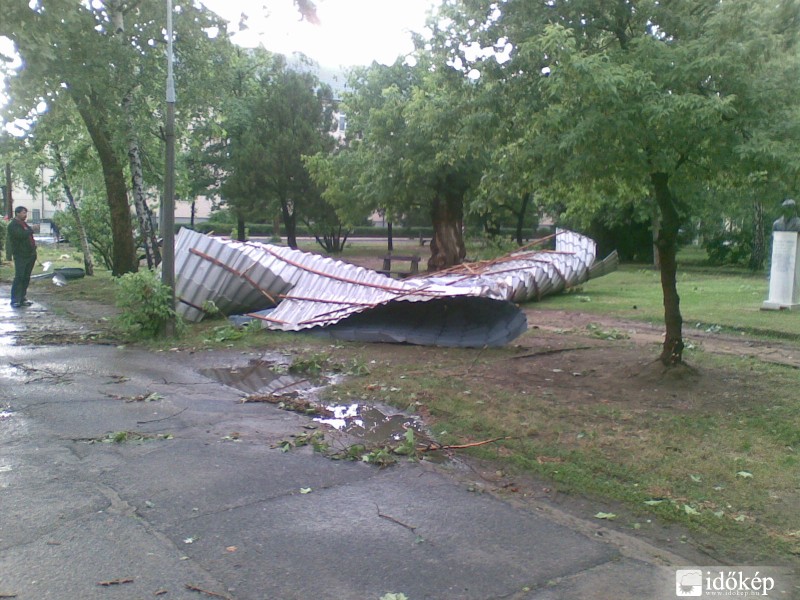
[[460, 321]]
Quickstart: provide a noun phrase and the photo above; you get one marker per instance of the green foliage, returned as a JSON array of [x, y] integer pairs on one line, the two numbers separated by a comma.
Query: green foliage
[[3, 233], [96, 219], [312, 363], [315, 439], [230, 332], [146, 305], [729, 247], [387, 455]]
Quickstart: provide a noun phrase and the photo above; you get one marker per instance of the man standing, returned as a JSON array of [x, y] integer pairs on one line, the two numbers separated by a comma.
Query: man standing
[[23, 250]]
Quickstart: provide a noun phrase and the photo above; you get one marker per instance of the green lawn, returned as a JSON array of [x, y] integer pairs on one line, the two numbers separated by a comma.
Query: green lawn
[[729, 299]]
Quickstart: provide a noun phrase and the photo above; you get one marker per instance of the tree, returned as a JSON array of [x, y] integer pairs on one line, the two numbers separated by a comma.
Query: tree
[[407, 150], [94, 56], [280, 116], [635, 99]]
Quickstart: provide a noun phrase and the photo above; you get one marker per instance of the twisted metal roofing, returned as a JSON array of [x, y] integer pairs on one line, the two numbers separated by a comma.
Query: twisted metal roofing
[[468, 306]]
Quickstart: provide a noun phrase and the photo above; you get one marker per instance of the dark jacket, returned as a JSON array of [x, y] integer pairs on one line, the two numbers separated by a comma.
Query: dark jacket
[[20, 239]]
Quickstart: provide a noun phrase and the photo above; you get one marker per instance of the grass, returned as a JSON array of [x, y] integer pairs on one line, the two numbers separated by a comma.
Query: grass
[[728, 472], [718, 299]]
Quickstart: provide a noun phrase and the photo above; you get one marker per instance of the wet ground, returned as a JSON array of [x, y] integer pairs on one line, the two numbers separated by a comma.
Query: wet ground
[[132, 474]]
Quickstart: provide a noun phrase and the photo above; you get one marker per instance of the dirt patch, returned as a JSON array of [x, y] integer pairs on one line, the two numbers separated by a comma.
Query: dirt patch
[[641, 333]]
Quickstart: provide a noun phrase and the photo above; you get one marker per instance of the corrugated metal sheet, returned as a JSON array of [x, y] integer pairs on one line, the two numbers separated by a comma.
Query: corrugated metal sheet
[[468, 306], [529, 275]]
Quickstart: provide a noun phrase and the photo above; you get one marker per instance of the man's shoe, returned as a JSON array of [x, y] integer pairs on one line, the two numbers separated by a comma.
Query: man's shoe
[[15, 305], [26, 303]]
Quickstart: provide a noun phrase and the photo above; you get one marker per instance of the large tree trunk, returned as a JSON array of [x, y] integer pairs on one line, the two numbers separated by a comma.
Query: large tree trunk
[[88, 262], [667, 246], [759, 254], [92, 112], [389, 237], [447, 244], [152, 253]]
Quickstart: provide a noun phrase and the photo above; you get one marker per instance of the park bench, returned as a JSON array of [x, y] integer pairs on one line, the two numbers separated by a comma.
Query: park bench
[[413, 261]]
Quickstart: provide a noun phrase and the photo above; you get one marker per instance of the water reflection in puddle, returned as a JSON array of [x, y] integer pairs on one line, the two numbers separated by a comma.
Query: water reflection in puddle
[[370, 423], [261, 377]]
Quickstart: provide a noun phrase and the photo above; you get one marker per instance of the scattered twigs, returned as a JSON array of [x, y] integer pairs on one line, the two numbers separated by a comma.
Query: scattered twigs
[[553, 351], [163, 418], [435, 446], [119, 581], [194, 588], [411, 528], [49, 375]]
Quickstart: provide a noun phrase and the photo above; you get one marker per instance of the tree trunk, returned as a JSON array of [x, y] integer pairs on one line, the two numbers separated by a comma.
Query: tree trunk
[[9, 207], [447, 243], [667, 246], [276, 227], [9, 197], [151, 251], [88, 262], [241, 234], [290, 223], [192, 213], [389, 237], [759, 254], [521, 217], [655, 227], [124, 251]]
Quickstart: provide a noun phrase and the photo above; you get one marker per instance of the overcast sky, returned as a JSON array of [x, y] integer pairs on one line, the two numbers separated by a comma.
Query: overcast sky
[[351, 32]]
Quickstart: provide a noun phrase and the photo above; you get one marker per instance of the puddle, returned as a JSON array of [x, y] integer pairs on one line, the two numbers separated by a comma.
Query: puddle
[[262, 377], [7, 331], [369, 423]]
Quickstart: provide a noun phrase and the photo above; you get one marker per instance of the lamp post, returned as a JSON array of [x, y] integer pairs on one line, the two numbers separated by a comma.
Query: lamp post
[[168, 209]]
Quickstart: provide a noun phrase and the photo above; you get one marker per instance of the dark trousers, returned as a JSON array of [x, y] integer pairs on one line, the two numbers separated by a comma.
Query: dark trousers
[[23, 267]]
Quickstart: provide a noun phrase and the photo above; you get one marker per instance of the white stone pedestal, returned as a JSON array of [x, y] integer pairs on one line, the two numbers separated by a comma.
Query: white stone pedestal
[[784, 275]]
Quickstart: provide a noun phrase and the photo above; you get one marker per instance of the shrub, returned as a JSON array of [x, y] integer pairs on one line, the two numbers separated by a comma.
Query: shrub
[[146, 305], [729, 247]]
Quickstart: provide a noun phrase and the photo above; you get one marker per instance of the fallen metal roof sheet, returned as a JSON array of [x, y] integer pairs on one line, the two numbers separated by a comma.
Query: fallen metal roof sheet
[[471, 305]]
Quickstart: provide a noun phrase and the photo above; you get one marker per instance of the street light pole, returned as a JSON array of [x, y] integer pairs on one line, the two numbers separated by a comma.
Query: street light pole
[[168, 210]]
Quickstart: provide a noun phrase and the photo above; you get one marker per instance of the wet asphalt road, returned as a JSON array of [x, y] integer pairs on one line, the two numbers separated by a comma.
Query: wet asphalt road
[[209, 507]]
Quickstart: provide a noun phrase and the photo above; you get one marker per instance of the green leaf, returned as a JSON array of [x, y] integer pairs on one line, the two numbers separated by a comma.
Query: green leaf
[[689, 510], [744, 474], [305, 490], [606, 516]]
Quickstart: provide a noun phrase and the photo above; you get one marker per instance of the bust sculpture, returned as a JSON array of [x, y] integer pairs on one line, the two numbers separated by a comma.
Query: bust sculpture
[[788, 221]]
